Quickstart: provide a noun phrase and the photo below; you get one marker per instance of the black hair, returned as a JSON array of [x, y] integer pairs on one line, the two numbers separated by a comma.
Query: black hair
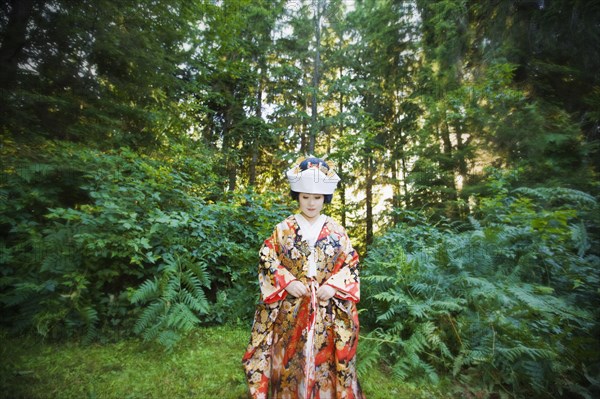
[[296, 195], [303, 166], [313, 161]]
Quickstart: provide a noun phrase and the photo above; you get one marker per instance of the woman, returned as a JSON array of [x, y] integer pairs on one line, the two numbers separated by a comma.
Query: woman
[[305, 330]]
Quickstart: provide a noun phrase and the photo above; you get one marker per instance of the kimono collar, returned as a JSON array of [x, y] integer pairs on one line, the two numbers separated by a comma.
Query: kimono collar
[[310, 232]]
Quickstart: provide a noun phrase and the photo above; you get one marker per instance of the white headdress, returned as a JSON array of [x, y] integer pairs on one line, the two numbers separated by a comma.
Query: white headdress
[[313, 175]]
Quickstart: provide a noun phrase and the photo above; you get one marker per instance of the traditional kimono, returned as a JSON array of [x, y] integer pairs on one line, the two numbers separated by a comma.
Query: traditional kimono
[[300, 347]]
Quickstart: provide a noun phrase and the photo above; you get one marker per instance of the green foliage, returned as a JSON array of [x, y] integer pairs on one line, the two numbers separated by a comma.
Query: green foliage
[[112, 220], [174, 302], [508, 304], [205, 364], [494, 86], [107, 243], [102, 72]]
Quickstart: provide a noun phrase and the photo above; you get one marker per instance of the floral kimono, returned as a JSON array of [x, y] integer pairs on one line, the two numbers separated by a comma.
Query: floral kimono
[[301, 347]]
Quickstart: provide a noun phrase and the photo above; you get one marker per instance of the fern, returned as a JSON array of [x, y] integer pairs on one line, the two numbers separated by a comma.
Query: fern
[[388, 314], [379, 279], [561, 195], [549, 304], [424, 289], [175, 299], [172, 287], [195, 297], [146, 292], [497, 306], [151, 315], [419, 309], [168, 339], [390, 297], [90, 318], [521, 351], [369, 355], [201, 272], [181, 318], [154, 330], [185, 297]]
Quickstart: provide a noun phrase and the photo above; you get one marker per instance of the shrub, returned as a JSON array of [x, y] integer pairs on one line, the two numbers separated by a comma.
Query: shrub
[[117, 242], [507, 305]]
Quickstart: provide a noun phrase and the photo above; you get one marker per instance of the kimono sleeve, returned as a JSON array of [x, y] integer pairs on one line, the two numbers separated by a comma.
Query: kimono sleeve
[[273, 277], [345, 278]]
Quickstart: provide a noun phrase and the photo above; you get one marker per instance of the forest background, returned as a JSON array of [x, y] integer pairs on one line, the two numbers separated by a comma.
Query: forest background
[[144, 144]]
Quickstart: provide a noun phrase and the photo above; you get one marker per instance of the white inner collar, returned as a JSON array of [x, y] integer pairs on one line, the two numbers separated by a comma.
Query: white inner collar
[[310, 231]]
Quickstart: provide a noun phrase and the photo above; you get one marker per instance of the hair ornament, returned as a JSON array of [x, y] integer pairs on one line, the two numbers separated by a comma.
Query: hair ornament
[[312, 175]]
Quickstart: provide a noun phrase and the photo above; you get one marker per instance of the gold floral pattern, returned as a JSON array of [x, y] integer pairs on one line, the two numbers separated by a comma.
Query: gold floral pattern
[[299, 347]]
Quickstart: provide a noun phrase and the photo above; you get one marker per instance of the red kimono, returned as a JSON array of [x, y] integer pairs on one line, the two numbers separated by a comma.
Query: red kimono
[[300, 347]]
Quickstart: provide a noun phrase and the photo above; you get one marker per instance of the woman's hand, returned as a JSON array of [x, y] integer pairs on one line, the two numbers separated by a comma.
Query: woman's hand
[[325, 292], [297, 289]]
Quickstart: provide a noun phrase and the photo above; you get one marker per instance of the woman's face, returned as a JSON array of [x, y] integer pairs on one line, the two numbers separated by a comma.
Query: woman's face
[[311, 205]]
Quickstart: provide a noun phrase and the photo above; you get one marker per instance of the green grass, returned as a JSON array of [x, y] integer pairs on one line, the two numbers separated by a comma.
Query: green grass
[[206, 364]]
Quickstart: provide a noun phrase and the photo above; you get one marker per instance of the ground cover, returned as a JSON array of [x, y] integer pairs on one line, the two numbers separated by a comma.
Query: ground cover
[[206, 365]]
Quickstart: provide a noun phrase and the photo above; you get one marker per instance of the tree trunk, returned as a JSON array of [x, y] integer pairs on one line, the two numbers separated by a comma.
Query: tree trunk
[[253, 162], [255, 139], [342, 188], [396, 189], [369, 201], [229, 149], [14, 40], [303, 140], [462, 169], [448, 167], [342, 191], [407, 199], [315, 80]]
